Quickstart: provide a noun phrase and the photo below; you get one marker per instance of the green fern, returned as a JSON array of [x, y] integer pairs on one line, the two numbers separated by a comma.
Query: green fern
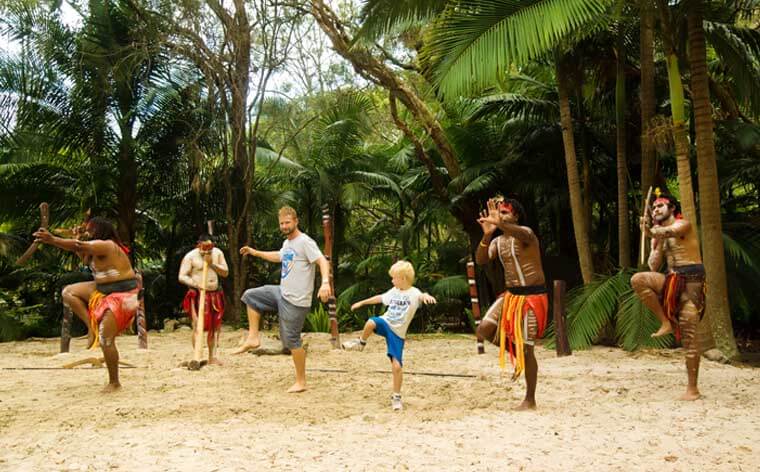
[[634, 324], [594, 305], [318, 321]]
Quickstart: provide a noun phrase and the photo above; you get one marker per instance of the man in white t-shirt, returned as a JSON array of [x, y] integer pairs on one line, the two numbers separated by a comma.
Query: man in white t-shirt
[[292, 298], [402, 302]]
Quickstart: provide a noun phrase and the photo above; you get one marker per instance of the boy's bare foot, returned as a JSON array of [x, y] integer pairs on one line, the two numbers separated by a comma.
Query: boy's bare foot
[[214, 361], [90, 338], [248, 345], [526, 405], [665, 328], [110, 388], [297, 388], [690, 395]]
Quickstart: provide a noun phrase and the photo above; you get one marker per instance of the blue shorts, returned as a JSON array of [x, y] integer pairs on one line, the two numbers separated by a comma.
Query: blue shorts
[[394, 343], [268, 298]]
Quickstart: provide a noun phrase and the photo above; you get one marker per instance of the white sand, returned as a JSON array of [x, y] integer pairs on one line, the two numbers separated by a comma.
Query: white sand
[[603, 409]]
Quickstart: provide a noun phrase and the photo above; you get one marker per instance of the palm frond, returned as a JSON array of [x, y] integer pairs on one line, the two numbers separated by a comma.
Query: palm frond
[[634, 324], [270, 157], [474, 41], [739, 52], [518, 106], [593, 305], [744, 253], [454, 286], [382, 17]]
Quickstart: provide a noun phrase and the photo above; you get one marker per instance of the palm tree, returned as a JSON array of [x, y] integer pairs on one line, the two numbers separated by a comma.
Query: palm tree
[[473, 42], [718, 308]]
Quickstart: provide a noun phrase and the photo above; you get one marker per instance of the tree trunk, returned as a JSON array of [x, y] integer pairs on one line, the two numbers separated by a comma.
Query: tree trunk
[[127, 191], [624, 245], [239, 175], [718, 310], [647, 99], [573, 180]]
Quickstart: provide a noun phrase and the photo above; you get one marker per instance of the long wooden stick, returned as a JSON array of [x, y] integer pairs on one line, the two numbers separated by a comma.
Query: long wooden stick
[[428, 374], [201, 317], [642, 247], [44, 223]]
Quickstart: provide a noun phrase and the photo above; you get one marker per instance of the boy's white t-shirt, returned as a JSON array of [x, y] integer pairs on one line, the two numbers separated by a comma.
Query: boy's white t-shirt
[[402, 304]]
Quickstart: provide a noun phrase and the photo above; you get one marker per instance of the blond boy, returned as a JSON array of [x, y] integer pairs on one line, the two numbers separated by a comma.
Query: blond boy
[[402, 302]]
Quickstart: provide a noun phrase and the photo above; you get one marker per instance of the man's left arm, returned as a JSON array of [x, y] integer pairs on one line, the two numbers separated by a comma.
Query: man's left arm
[[325, 291], [219, 264]]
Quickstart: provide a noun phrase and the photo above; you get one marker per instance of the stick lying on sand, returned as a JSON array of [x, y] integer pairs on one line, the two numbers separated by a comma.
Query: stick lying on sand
[[429, 374], [94, 362]]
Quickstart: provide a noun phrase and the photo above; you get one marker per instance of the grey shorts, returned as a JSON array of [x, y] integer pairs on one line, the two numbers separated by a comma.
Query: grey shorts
[[268, 298]]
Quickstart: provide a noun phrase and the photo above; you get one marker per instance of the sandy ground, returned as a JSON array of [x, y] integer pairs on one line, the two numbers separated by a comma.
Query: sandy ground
[[603, 409]]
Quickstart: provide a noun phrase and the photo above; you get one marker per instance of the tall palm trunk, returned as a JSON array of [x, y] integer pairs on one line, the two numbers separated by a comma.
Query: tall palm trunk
[[573, 179], [718, 308], [647, 99], [624, 244], [681, 139], [677, 111]]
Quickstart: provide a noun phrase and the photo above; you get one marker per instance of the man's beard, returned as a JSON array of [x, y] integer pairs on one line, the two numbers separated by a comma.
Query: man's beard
[[662, 217], [287, 232]]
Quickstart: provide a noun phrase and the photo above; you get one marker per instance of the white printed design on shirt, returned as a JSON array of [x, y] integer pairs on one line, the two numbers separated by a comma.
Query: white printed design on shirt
[[398, 307], [288, 260]]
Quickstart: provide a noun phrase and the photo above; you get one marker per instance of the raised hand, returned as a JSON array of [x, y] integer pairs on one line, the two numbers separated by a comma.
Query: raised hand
[[356, 306], [247, 251], [485, 224], [489, 218]]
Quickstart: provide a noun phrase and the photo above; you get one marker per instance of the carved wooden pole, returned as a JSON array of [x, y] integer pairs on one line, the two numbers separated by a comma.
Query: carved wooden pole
[[66, 329], [327, 228], [140, 320], [475, 303], [563, 346]]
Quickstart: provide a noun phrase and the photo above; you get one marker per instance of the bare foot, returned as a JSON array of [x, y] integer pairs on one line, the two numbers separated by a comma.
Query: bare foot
[[110, 388], [214, 361], [297, 388], [525, 406], [665, 328], [690, 395], [90, 338], [248, 345]]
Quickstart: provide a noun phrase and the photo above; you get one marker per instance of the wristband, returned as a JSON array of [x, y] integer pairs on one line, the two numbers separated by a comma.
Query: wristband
[[483, 245]]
